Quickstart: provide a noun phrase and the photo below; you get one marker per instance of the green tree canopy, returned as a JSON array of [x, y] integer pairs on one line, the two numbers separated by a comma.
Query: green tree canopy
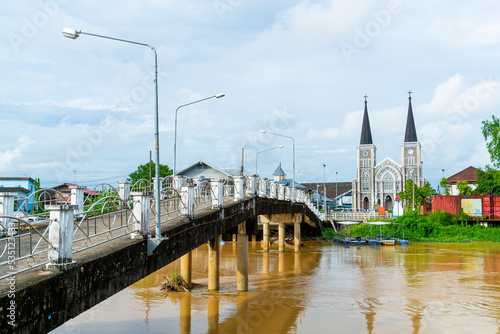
[[142, 172], [488, 180], [491, 133], [464, 188], [444, 184], [421, 193]]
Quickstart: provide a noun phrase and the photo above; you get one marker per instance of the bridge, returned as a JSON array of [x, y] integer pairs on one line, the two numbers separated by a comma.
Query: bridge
[[63, 254]]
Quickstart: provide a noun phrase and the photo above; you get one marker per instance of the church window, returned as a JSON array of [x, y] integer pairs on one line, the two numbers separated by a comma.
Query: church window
[[388, 181], [365, 180]]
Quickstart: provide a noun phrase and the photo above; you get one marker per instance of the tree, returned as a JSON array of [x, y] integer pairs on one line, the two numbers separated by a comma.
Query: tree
[[421, 193], [444, 184], [142, 172], [464, 188], [491, 133], [488, 180]]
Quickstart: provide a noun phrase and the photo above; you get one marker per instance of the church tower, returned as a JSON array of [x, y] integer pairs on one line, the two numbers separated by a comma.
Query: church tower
[[410, 150], [363, 185]]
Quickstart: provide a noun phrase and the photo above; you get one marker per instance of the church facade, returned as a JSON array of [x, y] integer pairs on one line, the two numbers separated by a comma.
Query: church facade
[[378, 184]]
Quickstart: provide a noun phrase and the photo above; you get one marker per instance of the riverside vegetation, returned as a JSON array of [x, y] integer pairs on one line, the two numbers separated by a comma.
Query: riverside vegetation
[[438, 226]]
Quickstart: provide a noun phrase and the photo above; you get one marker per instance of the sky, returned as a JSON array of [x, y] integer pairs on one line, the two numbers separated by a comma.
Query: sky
[[84, 110]]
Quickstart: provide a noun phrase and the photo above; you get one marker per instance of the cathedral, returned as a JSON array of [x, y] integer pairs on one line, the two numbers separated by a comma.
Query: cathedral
[[378, 184]]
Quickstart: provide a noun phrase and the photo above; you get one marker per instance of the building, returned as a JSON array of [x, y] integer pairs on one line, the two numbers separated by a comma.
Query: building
[[338, 194], [204, 170], [378, 184], [468, 175], [21, 188]]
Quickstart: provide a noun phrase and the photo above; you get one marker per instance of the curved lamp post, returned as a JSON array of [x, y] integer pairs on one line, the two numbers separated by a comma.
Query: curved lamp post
[[74, 34], [217, 96], [269, 149], [293, 143], [317, 186]]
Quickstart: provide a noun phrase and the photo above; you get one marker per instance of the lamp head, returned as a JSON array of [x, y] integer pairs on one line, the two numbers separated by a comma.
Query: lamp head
[[263, 131], [219, 95], [281, 146], [70, 33]]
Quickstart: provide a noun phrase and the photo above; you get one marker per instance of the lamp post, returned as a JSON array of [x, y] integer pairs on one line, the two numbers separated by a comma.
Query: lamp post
[[317, 187], [324, 188], [269, 149], [336, 184], [74, 34], [293, 144], [217, 96]]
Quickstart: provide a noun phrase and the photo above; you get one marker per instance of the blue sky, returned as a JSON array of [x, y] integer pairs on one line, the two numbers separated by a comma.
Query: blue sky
[[298, 68]]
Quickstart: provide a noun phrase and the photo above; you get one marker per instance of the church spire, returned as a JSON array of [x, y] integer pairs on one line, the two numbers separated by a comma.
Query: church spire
[[366, 132], [411, 132]]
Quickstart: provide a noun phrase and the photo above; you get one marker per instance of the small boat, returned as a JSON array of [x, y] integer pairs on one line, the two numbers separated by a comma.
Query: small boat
[[385, 240], [358, 241], [373, 242]]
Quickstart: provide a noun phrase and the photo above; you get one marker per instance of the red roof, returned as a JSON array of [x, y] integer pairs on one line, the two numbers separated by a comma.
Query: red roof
[[469, 174]]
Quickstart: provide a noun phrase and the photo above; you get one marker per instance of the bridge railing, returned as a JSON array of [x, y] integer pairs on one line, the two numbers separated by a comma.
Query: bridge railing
[[49, 226], [357, 216]]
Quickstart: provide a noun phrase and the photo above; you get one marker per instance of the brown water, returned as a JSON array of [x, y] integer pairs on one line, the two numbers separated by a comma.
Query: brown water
[[420, 288]]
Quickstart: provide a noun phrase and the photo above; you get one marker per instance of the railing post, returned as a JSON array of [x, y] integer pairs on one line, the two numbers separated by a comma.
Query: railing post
[[6, 209], [187, 198], [141, 211], [217, 192], [287, 193], [77, 194], [273, 187], [263, 187], [124, 190], [281, 191], [177, 182], [252, 185], [61, 237], [238, 188]]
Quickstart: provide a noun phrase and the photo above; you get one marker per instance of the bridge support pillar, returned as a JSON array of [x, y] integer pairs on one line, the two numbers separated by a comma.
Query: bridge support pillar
[[265, 220], [186, 267], [281, 237], [61, 237], [213, 264], [296, 237], [141, 209], [242, 259]]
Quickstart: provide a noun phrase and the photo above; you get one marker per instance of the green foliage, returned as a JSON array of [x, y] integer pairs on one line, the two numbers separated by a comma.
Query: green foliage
[[491, 133], [421, 193], [463, 188], [488, 180], [142, 172], [438, 226], [175, 276], [444, 184]]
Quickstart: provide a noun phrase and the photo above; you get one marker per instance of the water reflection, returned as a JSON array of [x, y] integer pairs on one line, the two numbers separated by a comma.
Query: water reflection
[[420, 288]]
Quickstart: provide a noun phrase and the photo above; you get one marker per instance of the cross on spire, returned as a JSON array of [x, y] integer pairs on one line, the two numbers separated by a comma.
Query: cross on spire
[[409, 93], [365, 97]]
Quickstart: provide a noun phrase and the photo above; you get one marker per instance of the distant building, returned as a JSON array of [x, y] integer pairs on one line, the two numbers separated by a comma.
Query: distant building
[[468, 175], [379, 184], [338, 194], [62, 193], [20, 187], [204, 170]]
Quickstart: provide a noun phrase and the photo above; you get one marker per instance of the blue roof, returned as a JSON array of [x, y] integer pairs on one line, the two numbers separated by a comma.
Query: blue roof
[[279, 172]]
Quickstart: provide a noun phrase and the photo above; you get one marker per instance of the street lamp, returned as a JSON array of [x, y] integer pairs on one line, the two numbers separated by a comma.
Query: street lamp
[[293, 143], [269, 149], [317, 187], [217, 96], [74, 34], [324, 188]]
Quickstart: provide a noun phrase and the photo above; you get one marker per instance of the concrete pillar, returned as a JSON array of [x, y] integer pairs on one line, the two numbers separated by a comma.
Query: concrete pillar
[[234, 238], [213, 314], [217, 192], [281, 237], [186, 268], [141, 210], [177, 182], [273, 189], [187, 200], [77, 197], [123, 190], [6, 209], [265, 220], [263, 187], [185, 316], [281, 191], [254, 238], [238, 188], [61, 236], [242, 259], [296, 237], [252, 184], [213, 264]]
